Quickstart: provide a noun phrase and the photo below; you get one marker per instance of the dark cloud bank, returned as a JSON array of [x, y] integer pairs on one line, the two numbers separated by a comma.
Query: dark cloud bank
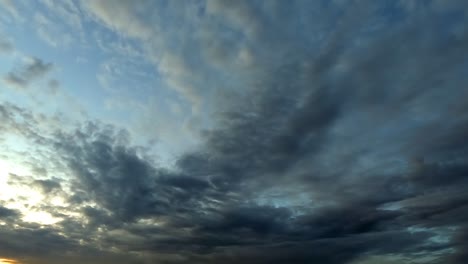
[[348, 151]]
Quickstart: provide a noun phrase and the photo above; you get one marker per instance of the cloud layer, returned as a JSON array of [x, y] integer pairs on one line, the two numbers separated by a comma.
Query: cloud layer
[[337, 135]]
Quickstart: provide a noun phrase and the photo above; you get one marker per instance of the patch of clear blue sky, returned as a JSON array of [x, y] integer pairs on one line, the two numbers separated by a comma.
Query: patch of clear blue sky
[[76, 78], [78, 64]]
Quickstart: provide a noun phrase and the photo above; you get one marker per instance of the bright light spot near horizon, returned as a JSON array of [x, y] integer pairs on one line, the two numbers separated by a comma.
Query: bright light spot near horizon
[[8, 261], [31, 197], [42, 218]]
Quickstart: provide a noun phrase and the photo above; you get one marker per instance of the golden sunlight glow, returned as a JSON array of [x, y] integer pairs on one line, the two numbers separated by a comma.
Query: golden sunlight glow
[[8, 261]]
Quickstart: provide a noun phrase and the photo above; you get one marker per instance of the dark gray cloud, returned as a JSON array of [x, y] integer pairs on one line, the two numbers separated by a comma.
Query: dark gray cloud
[[461, 246], [206, 211], [46, 245], [6, 213], [47, 186], [32, 70], [41, 242], [127, 188]]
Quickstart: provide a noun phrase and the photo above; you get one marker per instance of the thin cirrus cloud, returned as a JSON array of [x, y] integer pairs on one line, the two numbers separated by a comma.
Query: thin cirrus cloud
[[322, 133]]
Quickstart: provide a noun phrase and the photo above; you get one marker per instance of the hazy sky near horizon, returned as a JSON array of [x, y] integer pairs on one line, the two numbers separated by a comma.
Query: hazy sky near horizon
[[217, 131]]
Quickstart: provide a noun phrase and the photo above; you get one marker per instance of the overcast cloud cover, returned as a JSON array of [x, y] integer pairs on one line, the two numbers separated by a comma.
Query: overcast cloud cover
[[263, 132]]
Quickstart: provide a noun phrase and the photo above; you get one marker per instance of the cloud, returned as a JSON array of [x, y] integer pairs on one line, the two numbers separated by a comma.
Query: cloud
[[6, 213], [47, 186], [6, 46], [283, 136], [19, 121], [50, 32], [351, 148], [68, 12], [11, 9], [120, 17], [461, 246], [53, 86], [177, 55], [102, 168], [33, 69], [45, 245]]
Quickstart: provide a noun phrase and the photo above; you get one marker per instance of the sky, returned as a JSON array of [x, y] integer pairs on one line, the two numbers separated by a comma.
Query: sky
[[217, 131]]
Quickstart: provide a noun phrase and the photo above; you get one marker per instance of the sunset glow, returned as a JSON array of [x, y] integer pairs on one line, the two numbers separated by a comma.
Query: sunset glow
[[8, 261]]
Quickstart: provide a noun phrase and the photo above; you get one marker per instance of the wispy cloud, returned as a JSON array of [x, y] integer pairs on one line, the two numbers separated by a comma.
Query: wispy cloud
[[33, 69], [6, 46]]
